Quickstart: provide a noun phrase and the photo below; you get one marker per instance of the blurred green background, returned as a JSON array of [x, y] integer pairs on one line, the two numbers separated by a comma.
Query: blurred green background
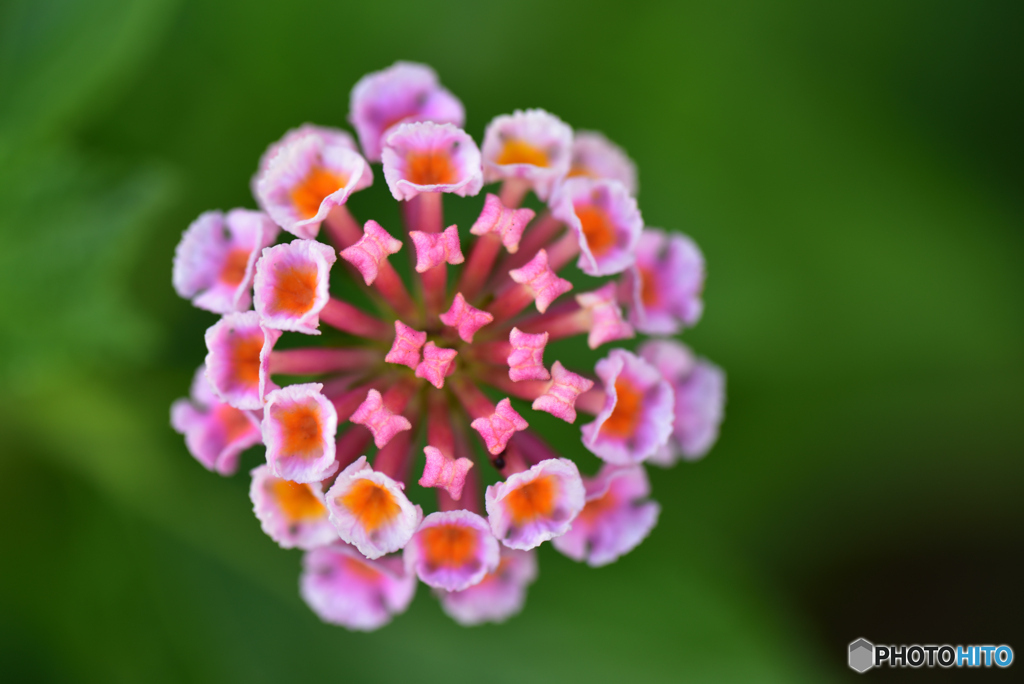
[[853, 173]]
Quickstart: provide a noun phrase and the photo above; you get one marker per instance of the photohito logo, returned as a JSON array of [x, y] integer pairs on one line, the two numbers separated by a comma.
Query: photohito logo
[[864, 655]]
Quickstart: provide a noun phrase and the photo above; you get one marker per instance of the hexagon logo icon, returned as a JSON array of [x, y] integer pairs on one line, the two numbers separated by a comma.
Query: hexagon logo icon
[[862, 655]]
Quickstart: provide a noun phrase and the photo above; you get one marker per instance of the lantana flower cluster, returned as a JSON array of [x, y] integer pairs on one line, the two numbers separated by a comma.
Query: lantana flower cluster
[[436, 367]]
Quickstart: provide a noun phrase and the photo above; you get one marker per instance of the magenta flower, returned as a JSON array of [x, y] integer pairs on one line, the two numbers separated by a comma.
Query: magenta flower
[[616, 518], [606, 222], [402, 93], [664, 287], [452, 550], [291, 513], [637, 413], [429, 157], [299, 425], [347, 589], [532, 146], [700, 400], [215, 433], [499, 595], [215, 260], [308, 174], [595, 156], [471, 344]]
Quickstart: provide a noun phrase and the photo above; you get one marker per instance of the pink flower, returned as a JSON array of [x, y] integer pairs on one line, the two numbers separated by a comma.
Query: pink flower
[[532, 145], [436, 364], [404, 92], [606, 324], [443, 472], [373, 248], [497, 428], [406, 347], [526, 360], [292, 514], [499, 595], [370, 511], [534, 506], [464, 318], [452, 550], [594, 156], [435, 249], [306, 176], [379, 419], [637, 416], [665, 284], [214, 262], [215, 433], [700, 400], [299, 425], [237, 359], [559, 399], [541, 280], [508, 224], [617, 516], [292, 285], [429, 157], [333, 136], [346, 589], [606, 221]]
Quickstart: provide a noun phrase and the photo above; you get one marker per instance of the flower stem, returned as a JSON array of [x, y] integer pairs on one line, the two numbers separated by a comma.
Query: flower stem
[[347, 318]]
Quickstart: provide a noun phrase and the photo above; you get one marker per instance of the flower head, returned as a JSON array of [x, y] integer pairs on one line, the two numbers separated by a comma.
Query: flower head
[[291, 513], [532, 145], [306, 176], [480, 317], [214, 262], [215, 433], [636, 419], [347, 589], [404, 92], [429, 157], [617, 516], [452, 550]]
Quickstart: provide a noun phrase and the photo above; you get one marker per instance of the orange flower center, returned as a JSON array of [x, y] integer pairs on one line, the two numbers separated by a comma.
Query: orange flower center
[[362, 569], [430, 168], [318, 184], [234, 266], [626, 414], [234, 422], [296, 500], [294, 290], [648, 287], [449, 546], [372, 505], [533, 500], [519, 152], [245, 359], [580, 170], [302, 430], [596, 507], [597, 229]]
